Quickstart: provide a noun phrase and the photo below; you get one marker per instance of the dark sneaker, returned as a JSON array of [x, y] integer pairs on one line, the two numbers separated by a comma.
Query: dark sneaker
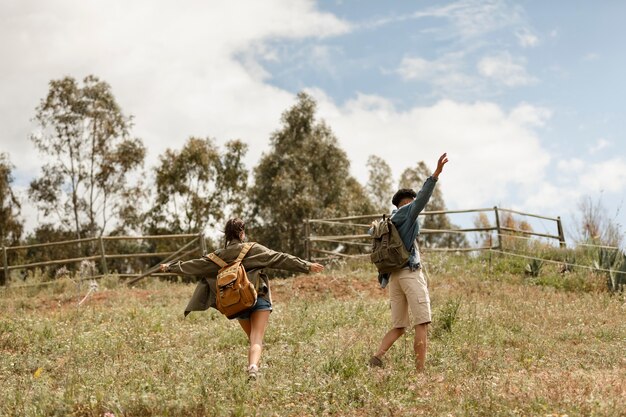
[[375, 362]]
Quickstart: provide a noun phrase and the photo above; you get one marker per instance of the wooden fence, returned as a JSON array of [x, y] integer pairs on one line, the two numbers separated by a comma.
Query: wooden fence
[[197, 244], [364, 223]]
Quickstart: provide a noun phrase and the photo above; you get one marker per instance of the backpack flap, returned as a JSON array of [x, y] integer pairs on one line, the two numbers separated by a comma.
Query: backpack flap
[[381, 228]]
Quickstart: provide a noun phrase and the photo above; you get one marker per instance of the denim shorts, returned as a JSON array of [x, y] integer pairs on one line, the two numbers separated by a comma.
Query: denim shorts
[[261, 305]]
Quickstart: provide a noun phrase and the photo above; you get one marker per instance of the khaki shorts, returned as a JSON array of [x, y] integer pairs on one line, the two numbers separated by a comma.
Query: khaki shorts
[[408, 290]]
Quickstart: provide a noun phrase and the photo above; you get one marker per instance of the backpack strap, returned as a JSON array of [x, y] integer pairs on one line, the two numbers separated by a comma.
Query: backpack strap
[[244, 251], [219, 261]]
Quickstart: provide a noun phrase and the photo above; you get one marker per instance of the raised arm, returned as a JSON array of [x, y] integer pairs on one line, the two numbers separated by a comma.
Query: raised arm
[[417, 205], [443, 159]]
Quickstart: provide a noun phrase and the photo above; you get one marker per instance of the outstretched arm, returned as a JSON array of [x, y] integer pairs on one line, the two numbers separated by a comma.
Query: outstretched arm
[[202, 266], [267, 258]]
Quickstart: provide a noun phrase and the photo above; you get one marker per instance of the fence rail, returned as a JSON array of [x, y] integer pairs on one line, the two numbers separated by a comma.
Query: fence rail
[[311, 239], [100, 254]]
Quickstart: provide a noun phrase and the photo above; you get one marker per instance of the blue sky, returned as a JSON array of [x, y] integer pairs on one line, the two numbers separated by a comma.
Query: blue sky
[[527, 97]]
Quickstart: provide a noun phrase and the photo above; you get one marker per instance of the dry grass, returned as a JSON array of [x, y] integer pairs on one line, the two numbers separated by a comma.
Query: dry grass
[[513, 348]]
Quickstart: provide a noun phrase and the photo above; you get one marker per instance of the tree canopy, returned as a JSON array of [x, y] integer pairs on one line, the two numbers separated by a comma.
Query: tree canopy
[[380, 183], [198, 185]]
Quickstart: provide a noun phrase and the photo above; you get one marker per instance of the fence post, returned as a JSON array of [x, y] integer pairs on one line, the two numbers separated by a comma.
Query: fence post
[[202, 244], [103, 258], [307, 242], [559, 227], [6, 266], [495, 210]]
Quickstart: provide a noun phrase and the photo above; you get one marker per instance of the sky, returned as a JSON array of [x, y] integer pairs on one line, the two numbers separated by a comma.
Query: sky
[[526, 97]]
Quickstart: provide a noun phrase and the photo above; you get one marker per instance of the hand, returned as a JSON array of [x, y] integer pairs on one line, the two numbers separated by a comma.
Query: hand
[[316, 267], [164, 267], [443, 159]]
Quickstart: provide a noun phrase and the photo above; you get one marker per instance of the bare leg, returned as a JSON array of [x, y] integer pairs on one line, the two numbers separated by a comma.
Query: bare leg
[[420, 344], [245, 325], [388, 340], [258, 324]]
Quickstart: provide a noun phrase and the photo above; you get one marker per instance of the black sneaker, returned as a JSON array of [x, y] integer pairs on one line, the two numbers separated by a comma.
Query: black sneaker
[[375, 362]]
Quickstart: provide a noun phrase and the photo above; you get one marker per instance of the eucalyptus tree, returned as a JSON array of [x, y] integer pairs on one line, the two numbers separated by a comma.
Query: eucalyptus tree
[[304, 175], [380, 183], [198, 185], [90, 161], [11, 227]]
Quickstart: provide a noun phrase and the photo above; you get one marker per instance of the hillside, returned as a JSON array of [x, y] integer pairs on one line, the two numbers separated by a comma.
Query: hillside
[[500, 345]]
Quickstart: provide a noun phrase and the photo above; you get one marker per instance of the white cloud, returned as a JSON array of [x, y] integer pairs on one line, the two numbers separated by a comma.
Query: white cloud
[[444, 71], [526, 38], [182, 69], [489, 148], [445, 74], [527, 114], [600, 144], [591, 56], [609, 175], [474, 18], [571, 166], [505, 69], [578, 179], [469, 19]]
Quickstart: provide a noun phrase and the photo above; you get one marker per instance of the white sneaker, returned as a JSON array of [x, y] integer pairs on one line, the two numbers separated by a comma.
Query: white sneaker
[[253, 372]]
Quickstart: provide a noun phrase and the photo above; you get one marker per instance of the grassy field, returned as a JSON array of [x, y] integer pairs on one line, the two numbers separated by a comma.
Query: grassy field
[[501, 344]]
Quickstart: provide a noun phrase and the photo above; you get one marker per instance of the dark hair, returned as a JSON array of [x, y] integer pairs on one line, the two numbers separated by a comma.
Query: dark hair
[[401, 194], [233, 230]]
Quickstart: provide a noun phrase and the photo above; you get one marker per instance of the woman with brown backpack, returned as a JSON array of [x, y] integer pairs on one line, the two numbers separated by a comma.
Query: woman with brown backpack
[[233, 279]]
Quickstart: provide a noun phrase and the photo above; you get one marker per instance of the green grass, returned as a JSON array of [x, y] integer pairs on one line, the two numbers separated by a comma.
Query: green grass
[[500, 345]]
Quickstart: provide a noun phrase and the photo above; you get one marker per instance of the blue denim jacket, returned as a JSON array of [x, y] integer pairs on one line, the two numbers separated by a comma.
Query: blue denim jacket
[[405, 220]]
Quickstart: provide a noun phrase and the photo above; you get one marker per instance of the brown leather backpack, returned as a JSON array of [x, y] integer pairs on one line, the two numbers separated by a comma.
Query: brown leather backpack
[[234, 291]]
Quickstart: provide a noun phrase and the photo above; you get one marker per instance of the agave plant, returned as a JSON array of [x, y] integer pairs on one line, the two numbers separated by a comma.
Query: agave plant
[[613, 263], [617, 277], [534, 267]]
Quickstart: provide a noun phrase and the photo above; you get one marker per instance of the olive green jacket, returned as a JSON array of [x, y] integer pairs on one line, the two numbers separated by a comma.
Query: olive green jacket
[[258, 258]]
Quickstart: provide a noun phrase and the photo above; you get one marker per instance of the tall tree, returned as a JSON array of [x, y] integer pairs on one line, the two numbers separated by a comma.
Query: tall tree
[[11, 227], [198, 185], [414, 178], [380, 183], [304, 175], [233, 178], [90, 158]]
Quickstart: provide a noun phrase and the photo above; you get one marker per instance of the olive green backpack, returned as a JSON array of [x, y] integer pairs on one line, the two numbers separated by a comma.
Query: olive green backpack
[[388, 250]]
